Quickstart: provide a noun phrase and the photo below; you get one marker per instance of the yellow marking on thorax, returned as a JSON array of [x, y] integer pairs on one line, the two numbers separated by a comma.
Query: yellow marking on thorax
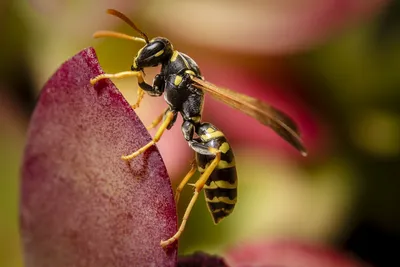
[[224, 147], [190, 72], [185, 61], [221, 184], [159, 53], [174, 55], [178, 80], [225, 200]]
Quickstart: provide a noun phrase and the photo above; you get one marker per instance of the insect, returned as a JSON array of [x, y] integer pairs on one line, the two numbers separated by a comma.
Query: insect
[[215, 161], [183, 87]]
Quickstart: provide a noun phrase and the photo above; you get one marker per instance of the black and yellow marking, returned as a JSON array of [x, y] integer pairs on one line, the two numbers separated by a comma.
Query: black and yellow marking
[[178, 80], [218, 181], [134, 65], [220, 190], [174, 56], [190, 72], [185, 61], [211, 134], [183, 87], [159, 53], [196, 119], [198, 186]]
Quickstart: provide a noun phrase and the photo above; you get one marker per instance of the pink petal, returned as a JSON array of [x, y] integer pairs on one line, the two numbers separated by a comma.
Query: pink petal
[[258, 27], [288, 254], [81, 204], [251, 133]]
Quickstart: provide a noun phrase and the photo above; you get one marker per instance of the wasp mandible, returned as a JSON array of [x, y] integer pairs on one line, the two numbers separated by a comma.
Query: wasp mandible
[[183, 87]]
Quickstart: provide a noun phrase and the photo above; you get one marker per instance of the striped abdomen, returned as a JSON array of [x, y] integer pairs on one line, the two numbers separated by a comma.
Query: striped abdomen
[[220, 190]]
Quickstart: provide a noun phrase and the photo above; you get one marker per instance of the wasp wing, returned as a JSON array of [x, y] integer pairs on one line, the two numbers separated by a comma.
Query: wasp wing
[[264, 113]]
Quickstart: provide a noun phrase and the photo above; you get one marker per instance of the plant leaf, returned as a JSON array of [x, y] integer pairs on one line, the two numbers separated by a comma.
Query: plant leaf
[[81, 205]]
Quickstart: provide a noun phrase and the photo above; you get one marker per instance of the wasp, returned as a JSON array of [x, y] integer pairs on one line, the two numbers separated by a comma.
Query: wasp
[[183, 87]]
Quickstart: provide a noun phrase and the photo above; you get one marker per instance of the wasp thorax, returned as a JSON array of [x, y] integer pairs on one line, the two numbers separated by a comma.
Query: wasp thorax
[[156, 52]]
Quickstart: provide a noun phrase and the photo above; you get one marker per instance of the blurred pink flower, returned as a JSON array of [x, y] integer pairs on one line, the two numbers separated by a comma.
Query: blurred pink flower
[[173, 147], [257, 27], [244, 130], [288, 253]]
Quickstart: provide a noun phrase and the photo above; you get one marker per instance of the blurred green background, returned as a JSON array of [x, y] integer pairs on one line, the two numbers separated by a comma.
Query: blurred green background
[[332, 65]]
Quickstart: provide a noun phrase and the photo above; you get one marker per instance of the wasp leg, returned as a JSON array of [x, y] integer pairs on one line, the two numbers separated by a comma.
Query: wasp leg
[[140, 95], [169, 117], [157, 120], [156, 90], [118, 75], [185, 180], [198, 187]]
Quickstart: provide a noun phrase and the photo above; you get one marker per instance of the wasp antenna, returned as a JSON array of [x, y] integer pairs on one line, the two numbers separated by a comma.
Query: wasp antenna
[[119, 35], [128, 21]]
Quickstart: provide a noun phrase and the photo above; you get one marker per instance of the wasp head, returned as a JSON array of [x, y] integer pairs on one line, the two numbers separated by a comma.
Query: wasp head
[[155, 52]]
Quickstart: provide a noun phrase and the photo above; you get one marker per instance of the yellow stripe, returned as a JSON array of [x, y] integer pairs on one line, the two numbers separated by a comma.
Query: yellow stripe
[[224, 147], [140, 51], [223, 209], [178, 80], [135, 59], [190, 72], [209, 136], [185, 61], [221, 184], [174, 56], [225, 200], [211, 186], [210, 130], [225, 165], [200, 169], [221, 165], [159, 53]]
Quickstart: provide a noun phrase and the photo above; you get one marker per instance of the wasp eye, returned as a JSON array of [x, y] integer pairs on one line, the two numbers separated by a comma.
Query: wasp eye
[[153, 49], [154, 53]]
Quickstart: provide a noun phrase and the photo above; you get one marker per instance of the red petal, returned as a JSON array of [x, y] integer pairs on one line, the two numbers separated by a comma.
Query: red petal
[[81, 204]]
